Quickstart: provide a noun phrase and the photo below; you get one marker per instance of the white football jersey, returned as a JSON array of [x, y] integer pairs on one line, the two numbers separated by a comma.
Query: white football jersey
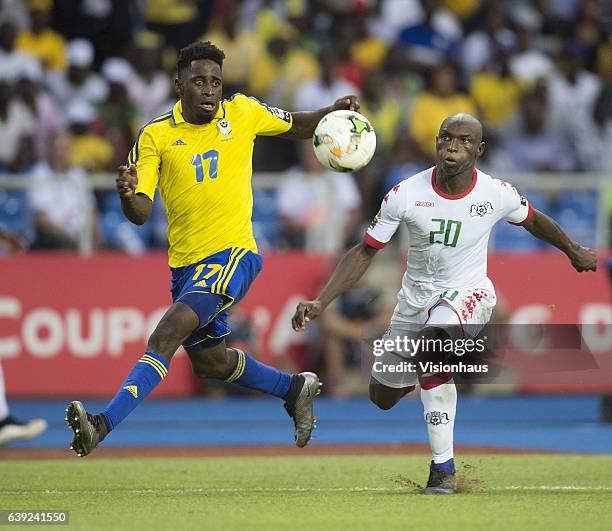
[[448, 234]]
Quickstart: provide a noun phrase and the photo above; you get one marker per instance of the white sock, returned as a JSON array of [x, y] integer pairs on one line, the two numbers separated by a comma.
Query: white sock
[[440, 405], [4, 410]]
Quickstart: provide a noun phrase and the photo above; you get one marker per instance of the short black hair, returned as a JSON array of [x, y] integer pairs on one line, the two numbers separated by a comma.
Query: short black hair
[[199, 50]]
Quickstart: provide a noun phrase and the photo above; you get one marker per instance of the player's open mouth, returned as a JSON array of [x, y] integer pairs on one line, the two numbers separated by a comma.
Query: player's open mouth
[[207, 106]]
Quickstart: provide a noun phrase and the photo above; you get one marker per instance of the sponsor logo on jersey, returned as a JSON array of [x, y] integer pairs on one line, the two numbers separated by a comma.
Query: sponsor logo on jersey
[[436, 418], [279, 113], [224, 128], [424, 203], [480, 209]]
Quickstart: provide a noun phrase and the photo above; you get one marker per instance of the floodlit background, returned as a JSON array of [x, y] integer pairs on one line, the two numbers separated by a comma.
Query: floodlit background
[[79, 79]]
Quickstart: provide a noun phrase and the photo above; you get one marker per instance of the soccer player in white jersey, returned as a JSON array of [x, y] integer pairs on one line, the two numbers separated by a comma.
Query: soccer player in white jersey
[[449, 211]]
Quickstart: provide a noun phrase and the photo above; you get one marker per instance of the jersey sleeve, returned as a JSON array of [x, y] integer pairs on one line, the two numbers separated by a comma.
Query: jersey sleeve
[[515, 207], [146, 156], [385, 223], [268, 121]]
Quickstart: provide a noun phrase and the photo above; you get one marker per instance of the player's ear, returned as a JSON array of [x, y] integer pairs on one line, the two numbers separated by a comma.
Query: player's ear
[[481, 149], [178, 87]]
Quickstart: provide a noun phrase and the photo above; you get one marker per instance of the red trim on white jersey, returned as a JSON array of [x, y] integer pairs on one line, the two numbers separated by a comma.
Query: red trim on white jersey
[[527, 219], [434, 380], [373, 242], [452, 196]]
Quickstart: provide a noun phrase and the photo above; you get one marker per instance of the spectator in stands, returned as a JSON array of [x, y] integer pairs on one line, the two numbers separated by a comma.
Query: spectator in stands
[[291, 67], [496, 93], [442, 99], [15, 12], [117, 118], [60, 199], [49, 117], [179, 21], [327, 88], [382, 109], [479, 48], [79, 82], [572, 91], [304, 204], [529, 64], [10, 58], [596, 154], [88, 150], [148, 85], [367, 50], [247, 65], [534, 147], [41, 40], [431, 38], [17, 127]]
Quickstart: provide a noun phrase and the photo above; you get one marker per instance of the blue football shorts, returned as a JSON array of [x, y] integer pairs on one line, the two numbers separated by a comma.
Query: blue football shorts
[[210, 287]]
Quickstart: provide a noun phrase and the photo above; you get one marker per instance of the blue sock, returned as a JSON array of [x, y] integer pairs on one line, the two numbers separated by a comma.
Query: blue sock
[[143, 378], [255, 375], [448, 467]]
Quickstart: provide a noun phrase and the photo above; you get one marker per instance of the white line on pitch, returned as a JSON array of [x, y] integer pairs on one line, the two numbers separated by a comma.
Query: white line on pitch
[[254, 490]]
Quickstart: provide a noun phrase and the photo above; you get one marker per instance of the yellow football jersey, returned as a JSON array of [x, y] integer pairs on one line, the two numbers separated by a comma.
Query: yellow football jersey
[[204, 174]]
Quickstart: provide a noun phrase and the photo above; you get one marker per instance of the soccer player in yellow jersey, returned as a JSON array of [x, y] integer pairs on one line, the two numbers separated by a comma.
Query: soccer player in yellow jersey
[[199, 155]]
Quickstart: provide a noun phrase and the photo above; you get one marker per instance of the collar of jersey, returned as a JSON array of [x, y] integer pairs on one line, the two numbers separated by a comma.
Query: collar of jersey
[[452, 196], [177, 113]]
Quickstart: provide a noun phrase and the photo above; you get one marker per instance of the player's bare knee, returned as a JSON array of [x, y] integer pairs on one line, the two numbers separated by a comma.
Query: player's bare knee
[[386, 398], [379, 399], [164, 341]]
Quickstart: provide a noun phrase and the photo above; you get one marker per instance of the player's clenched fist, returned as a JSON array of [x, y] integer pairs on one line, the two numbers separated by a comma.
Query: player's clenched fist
[[305, 311], [127, 181], [584, 259]]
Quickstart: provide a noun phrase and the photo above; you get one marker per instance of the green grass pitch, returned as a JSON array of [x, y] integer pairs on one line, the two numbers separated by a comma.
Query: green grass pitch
[[541, 492]]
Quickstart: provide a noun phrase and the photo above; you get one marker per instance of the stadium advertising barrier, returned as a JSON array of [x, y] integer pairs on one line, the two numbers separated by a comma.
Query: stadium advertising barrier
[[74, 326]]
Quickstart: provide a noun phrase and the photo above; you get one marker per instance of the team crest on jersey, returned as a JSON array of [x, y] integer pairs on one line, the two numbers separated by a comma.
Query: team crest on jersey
[[374, 220], [224, 127], [480, 209]]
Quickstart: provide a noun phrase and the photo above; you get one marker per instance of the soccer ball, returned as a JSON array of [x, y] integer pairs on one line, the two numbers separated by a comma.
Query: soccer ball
[[344, 141]]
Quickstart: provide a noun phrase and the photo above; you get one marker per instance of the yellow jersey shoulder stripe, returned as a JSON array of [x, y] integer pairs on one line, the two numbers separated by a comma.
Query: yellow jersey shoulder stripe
[[133, 156]]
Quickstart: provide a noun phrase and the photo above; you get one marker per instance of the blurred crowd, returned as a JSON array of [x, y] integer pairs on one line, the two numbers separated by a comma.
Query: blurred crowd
[[78, 78]]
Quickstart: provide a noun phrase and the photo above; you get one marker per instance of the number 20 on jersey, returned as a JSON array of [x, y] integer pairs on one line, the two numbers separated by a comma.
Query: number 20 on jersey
[[447, 233]]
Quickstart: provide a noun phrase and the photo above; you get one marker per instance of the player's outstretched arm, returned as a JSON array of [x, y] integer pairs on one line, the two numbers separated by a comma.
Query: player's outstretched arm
[[304, 123], [546, 229], [136, 207], [350, 269]]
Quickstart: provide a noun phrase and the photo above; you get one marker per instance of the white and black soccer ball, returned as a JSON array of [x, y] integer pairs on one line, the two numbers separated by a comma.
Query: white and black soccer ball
[[344, 141]]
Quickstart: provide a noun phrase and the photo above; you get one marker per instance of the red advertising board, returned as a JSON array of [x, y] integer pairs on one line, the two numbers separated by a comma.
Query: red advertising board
[[74, 326]]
